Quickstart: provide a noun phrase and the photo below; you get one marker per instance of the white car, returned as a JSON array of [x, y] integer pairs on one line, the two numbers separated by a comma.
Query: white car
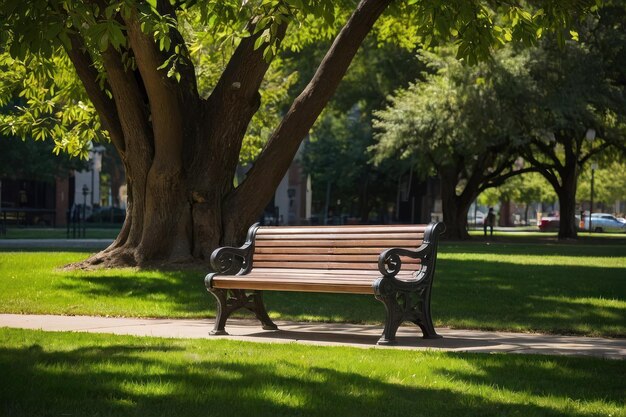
[[478, 220], [604, 222]]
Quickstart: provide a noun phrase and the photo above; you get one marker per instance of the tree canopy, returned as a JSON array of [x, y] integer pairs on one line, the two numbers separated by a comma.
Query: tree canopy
[[460, 123], [176, 86], [556, 106]]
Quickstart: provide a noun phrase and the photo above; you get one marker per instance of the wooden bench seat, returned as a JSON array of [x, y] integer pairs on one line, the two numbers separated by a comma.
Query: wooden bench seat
[[394, 263]]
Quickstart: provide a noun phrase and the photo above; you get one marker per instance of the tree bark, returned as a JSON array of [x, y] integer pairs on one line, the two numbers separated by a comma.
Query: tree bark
[[562, 175], [180, 152], [567, 204], [454, 208]]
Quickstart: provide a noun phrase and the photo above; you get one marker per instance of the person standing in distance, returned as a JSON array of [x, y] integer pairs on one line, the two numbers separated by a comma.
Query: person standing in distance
[[490, 221]]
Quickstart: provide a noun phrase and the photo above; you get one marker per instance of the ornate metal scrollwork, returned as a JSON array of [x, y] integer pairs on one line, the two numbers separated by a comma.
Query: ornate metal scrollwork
[[391, 264], [228, 262]]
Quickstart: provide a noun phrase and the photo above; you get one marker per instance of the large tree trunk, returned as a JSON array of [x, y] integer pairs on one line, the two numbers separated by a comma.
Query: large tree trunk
[[454, 207], [567, 203], [180, 152]]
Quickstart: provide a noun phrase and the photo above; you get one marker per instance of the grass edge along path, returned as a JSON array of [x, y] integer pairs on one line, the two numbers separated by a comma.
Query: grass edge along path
[[56, 373]]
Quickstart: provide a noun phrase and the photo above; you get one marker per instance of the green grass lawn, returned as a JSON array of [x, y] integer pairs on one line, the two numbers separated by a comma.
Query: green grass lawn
[[547, 287], [79, 374], [91, 232]]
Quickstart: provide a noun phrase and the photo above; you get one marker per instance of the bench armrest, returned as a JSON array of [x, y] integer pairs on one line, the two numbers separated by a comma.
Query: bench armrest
[[230, 261], [390, 263], [235, 261]]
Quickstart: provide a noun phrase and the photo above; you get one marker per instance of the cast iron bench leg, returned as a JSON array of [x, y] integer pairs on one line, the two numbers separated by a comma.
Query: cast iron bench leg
[[258, 308], [423, 318], [393, 319], [407, 306], [222, 311], [229, 301]]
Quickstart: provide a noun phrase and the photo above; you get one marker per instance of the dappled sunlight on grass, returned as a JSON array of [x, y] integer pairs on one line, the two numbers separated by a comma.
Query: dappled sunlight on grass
[[33, 283], [554, 299], [104, 375], [590, 302], [548, 260]]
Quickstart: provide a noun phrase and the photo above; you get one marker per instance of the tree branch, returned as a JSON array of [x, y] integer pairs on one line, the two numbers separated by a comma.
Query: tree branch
[[130, 104], [282, 146], [104, 105], [499, 180], [548, 152], [593, 152], [544, 170], [167, 98], [232, 104]]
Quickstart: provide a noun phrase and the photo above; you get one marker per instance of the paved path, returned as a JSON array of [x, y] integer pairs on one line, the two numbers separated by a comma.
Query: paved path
[[329, 334]]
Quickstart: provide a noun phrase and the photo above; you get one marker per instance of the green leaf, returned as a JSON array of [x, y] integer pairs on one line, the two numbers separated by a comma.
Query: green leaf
[[103, 42]]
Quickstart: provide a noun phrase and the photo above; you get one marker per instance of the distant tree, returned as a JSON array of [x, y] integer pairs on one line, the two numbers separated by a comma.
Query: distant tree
[[337, 158], [575, 110], [543, 107], [460, 122], [609, 183]]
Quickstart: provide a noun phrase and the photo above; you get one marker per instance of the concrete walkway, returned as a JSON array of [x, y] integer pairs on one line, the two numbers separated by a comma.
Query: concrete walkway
[[329, 334]]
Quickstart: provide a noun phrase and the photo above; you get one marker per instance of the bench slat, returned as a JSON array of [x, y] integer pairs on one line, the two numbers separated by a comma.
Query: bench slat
[[316, 265], [392, 229], [333, 236], [313, 278], [320, 250], [323, 278], [333, 272], [288, 257], [331, 243], [353, 287]]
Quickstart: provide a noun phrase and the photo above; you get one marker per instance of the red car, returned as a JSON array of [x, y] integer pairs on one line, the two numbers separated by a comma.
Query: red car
[[549, 224]]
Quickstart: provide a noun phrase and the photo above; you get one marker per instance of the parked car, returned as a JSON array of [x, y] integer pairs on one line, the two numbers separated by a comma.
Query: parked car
[[604, 222], [551, 223], [478, 220]]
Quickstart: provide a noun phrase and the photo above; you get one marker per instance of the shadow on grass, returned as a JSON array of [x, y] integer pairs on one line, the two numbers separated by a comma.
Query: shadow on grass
[[137, 378], [569, 378], [182, 291], [565, 299], [600, 248]]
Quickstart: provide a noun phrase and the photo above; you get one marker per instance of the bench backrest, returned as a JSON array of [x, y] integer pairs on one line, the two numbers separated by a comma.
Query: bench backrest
[[333, 247]]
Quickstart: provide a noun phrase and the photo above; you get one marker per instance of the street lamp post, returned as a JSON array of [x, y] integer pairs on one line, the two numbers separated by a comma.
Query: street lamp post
[[85, 192], [590, 136], [594, 166]]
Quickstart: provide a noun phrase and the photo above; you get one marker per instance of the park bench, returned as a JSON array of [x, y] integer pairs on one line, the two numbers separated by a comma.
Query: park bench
[[394, 263]]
